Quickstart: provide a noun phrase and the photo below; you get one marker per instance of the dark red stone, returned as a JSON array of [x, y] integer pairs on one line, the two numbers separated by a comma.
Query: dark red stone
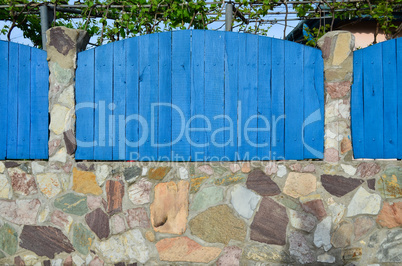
[[47, 263], [11, 164], [365, 170], [45, 240], [115, 193], [70, 141], [120, 264], [270, 222], [61, 41], [262, 184], [98, 221], [338, 185], [315, 207], [18, 261], [371, 183], [326, 48]]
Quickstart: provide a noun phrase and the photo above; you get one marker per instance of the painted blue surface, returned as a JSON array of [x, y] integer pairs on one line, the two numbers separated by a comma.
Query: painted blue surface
[[376, 101], [230, 88], [24, 76]]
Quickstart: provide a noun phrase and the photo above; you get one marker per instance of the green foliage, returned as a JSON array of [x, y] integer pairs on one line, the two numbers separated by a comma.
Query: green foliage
[[114, 20]]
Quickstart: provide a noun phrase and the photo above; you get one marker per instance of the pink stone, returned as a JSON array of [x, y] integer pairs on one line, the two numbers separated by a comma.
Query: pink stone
[[53, 146], [365, 170], [20, 211], [362, 226], [310, 168], [118, 224], [337, 89], [207, 169], [67, 167], [246, 167], [22, 182], [231, 256], [271, 168], [139, 193], [96, 262], [390, 215], [61, 219], [296, 167], [94, 202], [234, 167], [68, 261], [331, 155], [137, 217]]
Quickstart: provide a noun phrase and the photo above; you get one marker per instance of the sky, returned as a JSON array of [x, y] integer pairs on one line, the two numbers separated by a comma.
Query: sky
[[276, 31]]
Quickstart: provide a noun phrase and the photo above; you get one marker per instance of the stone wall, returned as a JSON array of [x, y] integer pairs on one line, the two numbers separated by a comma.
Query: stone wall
[[332, 212]]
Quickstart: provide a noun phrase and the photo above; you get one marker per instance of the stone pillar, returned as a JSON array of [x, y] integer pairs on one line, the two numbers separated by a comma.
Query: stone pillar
[[63, 44], [337, 51]]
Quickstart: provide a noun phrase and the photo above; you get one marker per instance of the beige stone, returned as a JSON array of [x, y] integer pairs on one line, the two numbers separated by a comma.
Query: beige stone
[[169, 210], [5, 188], [49, 184], [58, 119], [85, 182], [342, 48], [300, 184], [150, 236], [186, 250]]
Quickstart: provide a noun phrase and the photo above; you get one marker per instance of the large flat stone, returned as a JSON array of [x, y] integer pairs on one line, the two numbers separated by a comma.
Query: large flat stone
[[169, 210], [20, 211], [365, 170], [98, 221], [390, 248], [364, 203], [299, 248], [302, 220], [115, 194], [206, 197], [49, 184], [85, 182], [231, 256], [315, 207], [338, 185], [390, 183], [72, 203], [183, 249], [8, 239], [82, 239], [362, 225], [342, 236], [22, 182], [218, 224], [300, 184], [262, 184], [137, 217], [158, 173], [45, 240], [322, 234], [270, 222], [140, 192], [244, 201], [267, 253], [5, 188], [390, 215]]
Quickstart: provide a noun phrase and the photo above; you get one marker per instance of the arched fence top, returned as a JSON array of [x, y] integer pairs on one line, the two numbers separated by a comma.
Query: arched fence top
[[198, 95]]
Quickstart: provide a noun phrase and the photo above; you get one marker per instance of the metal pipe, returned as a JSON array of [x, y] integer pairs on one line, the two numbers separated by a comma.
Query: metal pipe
[[229, 17], [44, 23]]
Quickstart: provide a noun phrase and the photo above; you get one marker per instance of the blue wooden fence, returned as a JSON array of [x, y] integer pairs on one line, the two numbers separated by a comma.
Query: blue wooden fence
[[24, 84], [376, 103], [200, 96]]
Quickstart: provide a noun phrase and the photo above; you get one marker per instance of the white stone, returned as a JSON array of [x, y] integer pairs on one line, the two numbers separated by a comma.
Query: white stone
[[326, 258], [331, 143], [49, 184], [88, 259], [207, 169], [59, 116], [331, 110], [30, 259], [78, 260], [5, 188], [58, 262], [144, 171], [322, 234], [102, 172], [302, 221], [67, 97], [350, 170], [37, 168], [344, 110], [271, 168], [234, 167], [244, 201], [364, 203], [281, 171], [59, 156], [337, 211], [139, 193], [130, 247], [2, 167], [183, 173], [330, 134], [43, 214]]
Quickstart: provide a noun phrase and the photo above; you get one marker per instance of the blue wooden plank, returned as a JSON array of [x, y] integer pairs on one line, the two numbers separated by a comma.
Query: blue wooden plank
[[248, 83], [103, 98], [390, 99], [148, 95], [196, 131], [24, 102], [356, 106], [132, 85], [119, 99], [181, 93], [312, 120], [399, 75], [264, 98], [4, 92], [231, 91], [373, 102], [12, 102], [293, 101], [277, 99], [165, 97], [319, 89], [85, 105], [214, 93], [39, 105]]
